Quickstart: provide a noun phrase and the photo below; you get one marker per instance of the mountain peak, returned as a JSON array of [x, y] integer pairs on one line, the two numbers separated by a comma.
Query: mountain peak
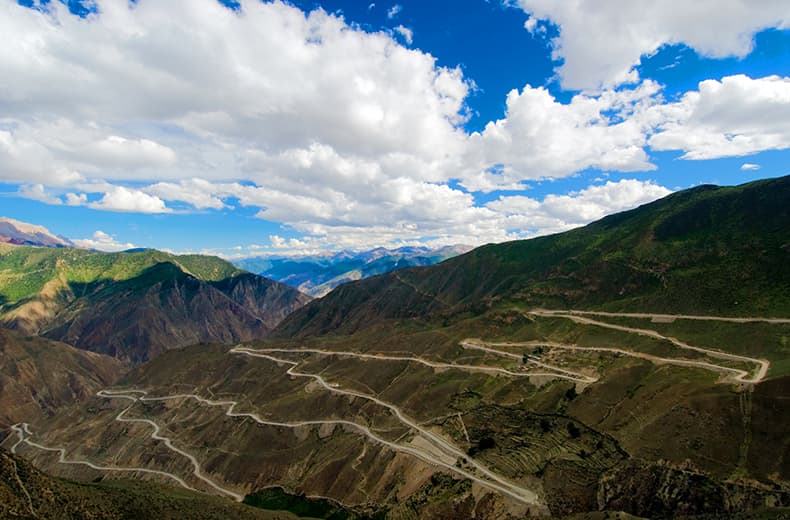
[[22, 233]]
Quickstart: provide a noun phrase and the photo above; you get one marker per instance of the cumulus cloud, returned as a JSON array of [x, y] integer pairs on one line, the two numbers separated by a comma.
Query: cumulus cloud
[[732, 117], [197, 99], [600, 43], [102, 241], [557, 213], [197, 192], [344, 136], [38, 192], [120, 198], [542, 138], [394, 11]]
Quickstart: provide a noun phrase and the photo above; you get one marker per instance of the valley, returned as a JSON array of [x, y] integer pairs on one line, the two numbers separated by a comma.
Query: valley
[[551, 377], [437, 448]]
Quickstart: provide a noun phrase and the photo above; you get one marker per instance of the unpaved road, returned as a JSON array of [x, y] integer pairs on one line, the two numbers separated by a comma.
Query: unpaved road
[[426, 362], [662, 317], [493, 481], [740, 376], [434, 450], [24, 433], [196, 468], [477, 344]]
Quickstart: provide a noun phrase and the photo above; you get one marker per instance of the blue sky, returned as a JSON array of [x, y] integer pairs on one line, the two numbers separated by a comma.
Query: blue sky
[[281, 128]]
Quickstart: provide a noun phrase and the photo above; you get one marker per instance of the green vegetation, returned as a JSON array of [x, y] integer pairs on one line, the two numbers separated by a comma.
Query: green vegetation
[[707, 250], [25, 270], [277, 499], [758, 339]]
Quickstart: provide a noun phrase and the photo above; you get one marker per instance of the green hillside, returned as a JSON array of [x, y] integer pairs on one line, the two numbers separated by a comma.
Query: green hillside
[[707, 250], [135, 305], [25, 270]]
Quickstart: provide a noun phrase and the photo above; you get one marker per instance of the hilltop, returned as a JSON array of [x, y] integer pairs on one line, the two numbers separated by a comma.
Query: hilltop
[[135, 305]]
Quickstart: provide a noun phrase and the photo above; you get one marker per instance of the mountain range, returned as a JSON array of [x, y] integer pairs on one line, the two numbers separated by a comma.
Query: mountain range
[[317, 275], [635, 366], [135, 305]]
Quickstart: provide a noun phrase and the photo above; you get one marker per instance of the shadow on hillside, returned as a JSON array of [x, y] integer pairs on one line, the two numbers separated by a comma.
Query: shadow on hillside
[[148, 277]]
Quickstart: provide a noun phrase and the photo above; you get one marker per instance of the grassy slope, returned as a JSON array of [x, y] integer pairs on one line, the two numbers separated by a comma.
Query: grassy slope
[[134, 305], [108, 500], [707, 250], [25, 270]]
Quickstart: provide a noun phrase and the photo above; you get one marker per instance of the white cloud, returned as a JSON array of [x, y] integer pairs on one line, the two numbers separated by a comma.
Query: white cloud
[[346, 137], [197, 192], [120, 198], [131, 153], [750, 167], [543, 138], [600, 43], [394, 11], [197, 97], [562, 212], [102, 242], [733, 117], [38, 192], [408, 34], [76, 199]]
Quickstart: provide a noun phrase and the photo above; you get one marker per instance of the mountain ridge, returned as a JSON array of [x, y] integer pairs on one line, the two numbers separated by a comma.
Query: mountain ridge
[[21, 233], [135, 305], [317, 275], [646, 257]]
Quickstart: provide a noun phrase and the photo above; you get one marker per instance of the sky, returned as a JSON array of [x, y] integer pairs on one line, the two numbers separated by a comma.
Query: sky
[[261, 128]]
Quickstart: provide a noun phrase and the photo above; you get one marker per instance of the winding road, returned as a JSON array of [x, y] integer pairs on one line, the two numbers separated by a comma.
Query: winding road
[[435, 451], [740, 376], [493, 480], [561, 373], [661, 317], [433, 364], [24, 433], [432, 448], [196, 469]]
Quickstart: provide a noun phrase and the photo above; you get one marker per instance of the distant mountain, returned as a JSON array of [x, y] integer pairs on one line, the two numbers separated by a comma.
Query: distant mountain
[[38, 376], [317, 275], [21, 233], [707, 250], [133, 306]]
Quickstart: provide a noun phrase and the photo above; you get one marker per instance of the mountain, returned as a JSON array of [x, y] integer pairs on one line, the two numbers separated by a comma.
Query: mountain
[[707, 250], [39, 376], [317, 275], [29, 493], [16, 232], [135, 305], [637, 366]]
